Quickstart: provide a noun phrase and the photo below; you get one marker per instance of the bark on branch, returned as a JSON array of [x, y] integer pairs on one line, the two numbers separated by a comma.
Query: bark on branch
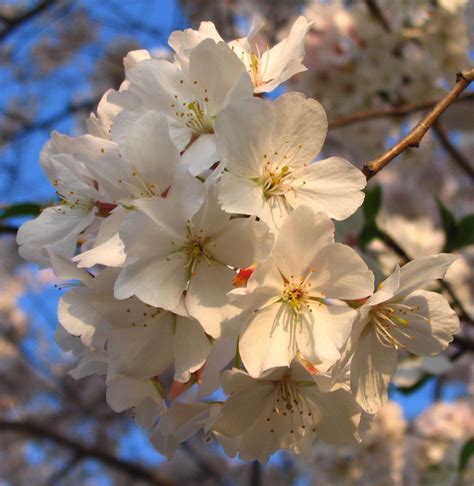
[[414, 138], [390, 111], [37, 431]]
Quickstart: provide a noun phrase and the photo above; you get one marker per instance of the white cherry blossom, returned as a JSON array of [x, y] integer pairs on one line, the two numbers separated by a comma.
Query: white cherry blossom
[[174, 248], [268, 150], [282, 409], [399, 315], [190, 97], [268, 68], [289, 302]]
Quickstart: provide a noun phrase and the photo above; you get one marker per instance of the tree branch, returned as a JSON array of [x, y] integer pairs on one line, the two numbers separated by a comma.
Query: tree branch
[[456, 155], [378, 15], [413, 139], [400, 110], [37, 431], [15, 22]]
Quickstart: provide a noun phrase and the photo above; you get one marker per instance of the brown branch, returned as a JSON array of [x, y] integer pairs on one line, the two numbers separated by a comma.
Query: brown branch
[[456, 155], [414, 138], [390, 111], [37, 431], [15, 22], [378, 15], [8, 230]]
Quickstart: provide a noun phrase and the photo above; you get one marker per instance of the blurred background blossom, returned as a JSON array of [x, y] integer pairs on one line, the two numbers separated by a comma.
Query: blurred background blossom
[[376, 66]]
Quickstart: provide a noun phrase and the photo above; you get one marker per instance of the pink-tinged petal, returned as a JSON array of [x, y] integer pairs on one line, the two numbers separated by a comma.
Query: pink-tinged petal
[[373, 365], [340, 273], [333, 186]]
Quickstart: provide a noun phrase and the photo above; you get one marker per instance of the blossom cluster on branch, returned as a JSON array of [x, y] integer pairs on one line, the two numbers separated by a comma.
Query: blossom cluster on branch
[[195, 228]]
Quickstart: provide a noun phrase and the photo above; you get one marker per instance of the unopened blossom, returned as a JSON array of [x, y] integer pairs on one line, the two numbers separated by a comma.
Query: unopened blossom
[[190, 97], [267, 67], [289, 302], [268, 150], [282, 409], [399, 316], [173, 246]]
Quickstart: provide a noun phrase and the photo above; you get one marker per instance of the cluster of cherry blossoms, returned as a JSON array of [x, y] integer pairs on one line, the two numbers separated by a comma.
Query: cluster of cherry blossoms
[[195, 228]]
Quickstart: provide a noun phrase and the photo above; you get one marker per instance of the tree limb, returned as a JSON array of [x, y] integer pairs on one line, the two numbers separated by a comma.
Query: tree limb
[[15, 22], [400, 110], [413, 139], [456, 155], [37, 431]]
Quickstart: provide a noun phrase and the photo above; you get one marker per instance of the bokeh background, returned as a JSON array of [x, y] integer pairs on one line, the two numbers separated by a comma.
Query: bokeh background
[[376, 66]]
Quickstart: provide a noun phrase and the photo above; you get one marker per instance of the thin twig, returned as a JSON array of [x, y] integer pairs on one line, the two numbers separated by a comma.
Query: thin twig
[[37, 431], [390, 111], [378, 15], [456, 155], [414, 138]]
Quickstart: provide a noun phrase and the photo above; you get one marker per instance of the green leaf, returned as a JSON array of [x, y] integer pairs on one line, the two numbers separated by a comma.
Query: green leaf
[[458, 234], [466, 452], [448, 221], [21, 209], [372, 204], [465, 232]]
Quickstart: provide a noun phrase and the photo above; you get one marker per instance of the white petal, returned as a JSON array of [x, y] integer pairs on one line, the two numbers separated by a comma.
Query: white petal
[[333, 186], [241, 195], [201, 154], [300, 128], [302, 235], [266, 342], [243, 135], [191, 348], [215, 68], [324, 331], [242, 242], [422, 271], [58, 228], [150, 151], [432, 323], [159, 283], [341, 273], [242, 409], [108, 248], [386, 289], [373, 365], [141, 352], [206, 296]]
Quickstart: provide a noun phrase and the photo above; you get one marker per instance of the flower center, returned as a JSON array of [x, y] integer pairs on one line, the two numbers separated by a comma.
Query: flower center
[[273, 182], [291, 405], [393, 319]]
